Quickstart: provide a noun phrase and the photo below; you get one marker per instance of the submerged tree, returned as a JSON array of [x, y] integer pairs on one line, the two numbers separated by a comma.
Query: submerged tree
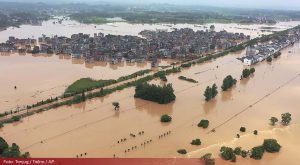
[[208, 160], [13, 151], [196, 142], [165, 118], [182, 151], [211, 92], [273, 120], [227, 153], [257, 152], [247, 72], [271, 145], [228, 82], [243, 129], [160, 94], [203, 123], [286, 118], [116, 105]]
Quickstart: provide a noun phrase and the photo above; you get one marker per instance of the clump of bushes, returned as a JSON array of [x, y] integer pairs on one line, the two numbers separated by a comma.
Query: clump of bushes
[[187, 65], [187, 79], [255, 132], [160, 94], [210, 92], [12, 151], [165, 118], [228, 82], [247, 72], [227, 153], [273, 120], [208, 160], [271, 145], [286, 118], [196, 142], [243, 129], [16, 118], [182, 151], [203, 123], [257, 152]]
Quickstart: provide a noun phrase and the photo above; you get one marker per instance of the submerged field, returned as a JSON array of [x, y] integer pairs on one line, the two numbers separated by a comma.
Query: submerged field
[[93, 127]]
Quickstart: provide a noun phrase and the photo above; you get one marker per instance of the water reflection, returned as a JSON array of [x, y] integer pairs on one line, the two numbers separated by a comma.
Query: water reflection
[[209, 106], [227, 95], [153, 109]]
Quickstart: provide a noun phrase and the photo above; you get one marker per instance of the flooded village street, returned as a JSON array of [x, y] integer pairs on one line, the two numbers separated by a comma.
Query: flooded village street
[[93, 128]]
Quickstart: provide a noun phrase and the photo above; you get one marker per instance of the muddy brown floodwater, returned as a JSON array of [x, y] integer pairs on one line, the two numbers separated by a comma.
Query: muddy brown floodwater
[[40, 77], [95, 128]]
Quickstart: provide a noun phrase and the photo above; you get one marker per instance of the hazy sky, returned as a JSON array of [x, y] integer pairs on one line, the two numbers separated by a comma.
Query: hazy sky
[[278, 4]]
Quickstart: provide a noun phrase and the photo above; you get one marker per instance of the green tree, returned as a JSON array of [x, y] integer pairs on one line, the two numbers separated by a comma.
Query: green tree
[[255, 132], [273, 120], [286, 118], [243, 129], [271, 145], [11, 152], [244, 153], [165, 118], [182, 151], [227, 153], [252, 70], [211, 92], [203, 123], [116, 105], [3, 145], [228, 82], [208, 160], [257, 152], [237, 150], [160, 94], [196, 142], [16, 118], [246, 73]]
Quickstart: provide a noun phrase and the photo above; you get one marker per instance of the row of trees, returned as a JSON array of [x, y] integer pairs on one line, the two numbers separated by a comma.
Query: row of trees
[[12, 151], [269, 145], [187, 79], [160, 94], [212, 92]]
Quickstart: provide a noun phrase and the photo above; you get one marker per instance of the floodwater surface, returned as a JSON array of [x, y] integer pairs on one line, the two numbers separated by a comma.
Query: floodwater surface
[[96, 129]]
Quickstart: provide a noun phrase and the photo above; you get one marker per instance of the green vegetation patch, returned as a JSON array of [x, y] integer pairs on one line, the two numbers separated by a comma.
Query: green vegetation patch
[[203, 123], [160, 94], [196, 142], [187, 79], [12, 151], [165, 118], [228, 82], [271, 145], [87, 84]]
